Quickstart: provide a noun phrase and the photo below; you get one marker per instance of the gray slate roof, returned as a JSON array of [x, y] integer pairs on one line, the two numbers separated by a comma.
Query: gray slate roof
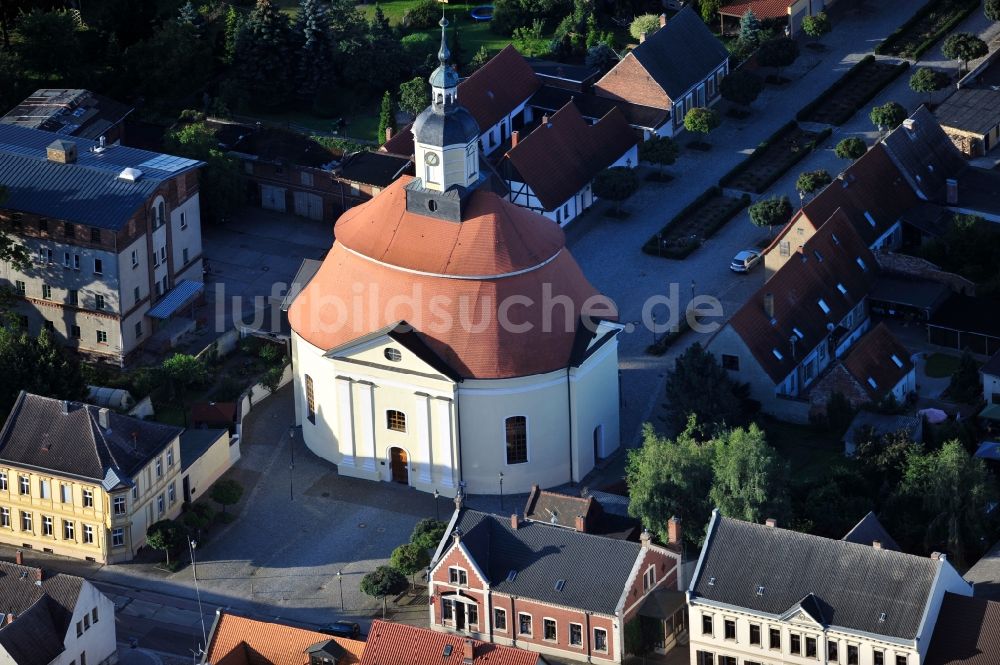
[[39, 435], [868, 530], [681, 53], [88, 191], [43, 612], [853, 584], [595, 568], [985, 575]]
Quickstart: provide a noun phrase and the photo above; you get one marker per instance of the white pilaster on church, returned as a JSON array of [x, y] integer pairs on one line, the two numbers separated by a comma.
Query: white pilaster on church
[[366, 424], [422, 422], [445, 441], [345, 418]]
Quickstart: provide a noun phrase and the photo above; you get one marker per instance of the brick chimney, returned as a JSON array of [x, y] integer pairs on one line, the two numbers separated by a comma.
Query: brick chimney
[[65, 406], [644, 538], [8, 618], [877, 544], [38, 574], [468, 651], [104, 418], [545, 119], [771, 522], [515, 521], [951, 191], [674, 533], [580, 524], [19, 558], [642, 37], [456, 536], [939, 556], [769, 305], [515, 136], [663, 20], [388, 133]]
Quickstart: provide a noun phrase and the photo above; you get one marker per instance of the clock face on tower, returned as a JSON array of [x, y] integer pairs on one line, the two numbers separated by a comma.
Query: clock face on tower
[[431, 159]]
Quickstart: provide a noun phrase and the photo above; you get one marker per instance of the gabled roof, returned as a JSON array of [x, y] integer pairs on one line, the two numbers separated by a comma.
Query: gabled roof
[[967, 632], [563, 509], [924, 154], [771, 570], [378, 169], [873, 359], [561, 157], [595, 568], [681, 54], [40, 435], [985, 575], [829, 260], [237, 640], [594, 107], [811, 606], [869, 530], [973, 110], [400, 644], [42, 612], [88, 191]]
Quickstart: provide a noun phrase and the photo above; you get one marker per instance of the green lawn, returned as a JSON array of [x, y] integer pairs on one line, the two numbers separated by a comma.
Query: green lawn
[[810, 451], [941, 365]]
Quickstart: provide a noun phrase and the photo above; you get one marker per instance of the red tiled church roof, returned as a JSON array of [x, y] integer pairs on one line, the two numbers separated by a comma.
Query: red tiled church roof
[[562, 156], [399, 644]]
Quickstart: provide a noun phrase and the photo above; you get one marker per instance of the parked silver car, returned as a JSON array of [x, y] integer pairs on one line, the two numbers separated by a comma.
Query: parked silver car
[[745, 261]]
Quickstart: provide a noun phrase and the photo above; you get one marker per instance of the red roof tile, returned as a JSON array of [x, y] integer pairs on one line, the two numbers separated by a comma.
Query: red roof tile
[[797, 287], [399, 644], [872, 357], [561, 157], [238, 640], [967, 632], [762, 9]]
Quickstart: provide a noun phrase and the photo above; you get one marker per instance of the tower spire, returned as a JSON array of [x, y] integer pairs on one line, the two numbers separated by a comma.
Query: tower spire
[[444, 54]]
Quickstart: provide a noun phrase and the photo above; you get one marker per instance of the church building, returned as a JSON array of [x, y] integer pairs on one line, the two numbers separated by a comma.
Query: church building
[[449, 340]]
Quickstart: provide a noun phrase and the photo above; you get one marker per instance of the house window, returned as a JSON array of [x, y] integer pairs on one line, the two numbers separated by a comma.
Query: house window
[[25, 485], [810, 647], [184, 256], [74, 332], [25, 521], [878, 657], [98, 267], [575, 635], [69, 230], [135, 259], [49, 325], [472, 614], [93, 615], [138, 329], [170, 456], [45, 255], [65, 493], [19, 286], [86, 622], [901, 659], [171, 494], [832, 651], [852, 654], [159, 468], [46, 292], [43, 489], [74, 297], [706, 624], [310, 400], [46, 525], [159, 505], [119, 505], [516, 428], [549, 630], [727, 660], [161, 214], [68, 530], [395, 420], [43, 225], [117, 539], [135, 295], [88, 498], [98, 301], [306, 178], [524, 624], [3, 481], [600, 639], [184, 223], [649, 578], [95, 235], [732, 363], [458, 576], [79, 628], [705, 658], [135, 490], [447, 610], [83, 658], [755, 634], [729, 628], [796, 643], [499, 619], [88, 534], [774, 638], [5, 517]]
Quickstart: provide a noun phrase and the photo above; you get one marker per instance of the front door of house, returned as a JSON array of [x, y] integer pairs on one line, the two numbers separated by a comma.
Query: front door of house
[[399, 464]]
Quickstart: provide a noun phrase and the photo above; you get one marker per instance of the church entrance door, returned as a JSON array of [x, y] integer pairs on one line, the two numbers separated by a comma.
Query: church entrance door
[[399, 463]]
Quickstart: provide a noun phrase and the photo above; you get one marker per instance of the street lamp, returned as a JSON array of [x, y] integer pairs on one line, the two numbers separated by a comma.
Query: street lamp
[[501, 490], [291, 462], [340, 580], [194, 569], [437, 511]]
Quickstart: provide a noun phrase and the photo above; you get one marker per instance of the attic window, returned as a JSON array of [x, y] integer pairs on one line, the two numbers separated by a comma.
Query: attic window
[[823, 306], [819, 257], [760, 591], [861, 262], [881, 618], [447, 651], [777, 354], [836, 240], [871, 382], [798, 333], [871, 220], [840, 287], [560, 584], [393, 355], [895, 359], [511, 576], [711, 581]]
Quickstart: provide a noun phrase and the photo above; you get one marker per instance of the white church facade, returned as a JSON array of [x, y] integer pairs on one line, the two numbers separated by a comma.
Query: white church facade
[[449, 336]]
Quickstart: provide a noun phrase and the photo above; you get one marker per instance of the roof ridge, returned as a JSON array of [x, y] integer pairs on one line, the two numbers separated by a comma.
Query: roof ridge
[[95, 425], [561, 529]]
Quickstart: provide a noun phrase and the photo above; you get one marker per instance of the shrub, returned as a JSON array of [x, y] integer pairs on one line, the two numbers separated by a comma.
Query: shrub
[[888, 116], [778, 53], [701, 120], [816, 26], [226, 493], [428, 533], [530, 42], [771, 211], [646, 24], [615, 184], [850, 148], [741, 87], [811, 181], [991, 9]]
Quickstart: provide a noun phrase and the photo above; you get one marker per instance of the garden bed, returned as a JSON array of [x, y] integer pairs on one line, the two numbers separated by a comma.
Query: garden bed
[[848, 94], [698, 221], [772, 159], [931, 22]]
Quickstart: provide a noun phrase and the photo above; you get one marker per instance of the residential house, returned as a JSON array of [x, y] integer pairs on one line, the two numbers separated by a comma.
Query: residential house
[[541, 587], [871, 193], [800, 321], [765, 594], [970, 116], [69, 112], [114, 236], [586, 514], [54, 619], [966, 632], [677, 68], [552, 169], [877, 368], [82, 481], [206, 454], [400, 644], [239, 640], [790, 13]]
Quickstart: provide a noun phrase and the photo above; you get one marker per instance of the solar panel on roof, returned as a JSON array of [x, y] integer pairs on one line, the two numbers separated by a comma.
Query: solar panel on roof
[[168, 163]]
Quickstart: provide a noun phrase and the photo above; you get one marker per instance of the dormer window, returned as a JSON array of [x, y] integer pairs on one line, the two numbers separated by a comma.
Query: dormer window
[[798, 333], [895, 359], [760, 591], [861, 262], [777, 354], [823, 306], [871, 220], [871, 382], [840, 287]]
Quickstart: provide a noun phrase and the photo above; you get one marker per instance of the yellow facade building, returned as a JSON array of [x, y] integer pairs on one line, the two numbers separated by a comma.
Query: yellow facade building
[[82, 481]]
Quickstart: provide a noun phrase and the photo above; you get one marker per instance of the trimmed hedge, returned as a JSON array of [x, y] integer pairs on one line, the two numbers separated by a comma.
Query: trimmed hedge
[[748, 163], [684, 246], [846, 80], [895, 44]]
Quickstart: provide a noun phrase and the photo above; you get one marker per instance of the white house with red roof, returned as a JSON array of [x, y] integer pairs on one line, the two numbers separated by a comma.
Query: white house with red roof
[[450, 338]]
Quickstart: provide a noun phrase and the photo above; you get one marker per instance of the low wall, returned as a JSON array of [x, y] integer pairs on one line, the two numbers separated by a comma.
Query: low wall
[[253, 396]]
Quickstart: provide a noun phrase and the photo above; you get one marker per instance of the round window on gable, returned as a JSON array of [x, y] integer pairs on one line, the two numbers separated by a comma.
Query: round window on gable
[[432, 205], [394, 355]]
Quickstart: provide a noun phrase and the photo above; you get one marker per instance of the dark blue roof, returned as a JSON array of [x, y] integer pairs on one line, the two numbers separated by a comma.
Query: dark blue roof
[[88, 191]]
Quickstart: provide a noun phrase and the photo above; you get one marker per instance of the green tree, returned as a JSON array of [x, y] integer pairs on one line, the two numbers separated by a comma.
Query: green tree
[[709, 9], [531, 40], [234, 23], [481, 57], [850, 148], [668, 477], [964, 46], [771, 212], [965, 385], [183, 371], [264, 57], [165, 535], [171, 63], [386, 117], [750, 29], [741, 87], [414, 96], [645, 24], [226, 493], [221, 188], [991, 8], [927, 80], [409, 559], [382, 582], [749, 478], [11, 251], [888, 116], [659, 150], [197, 517], [428, 533], [187, 14], [701, 120], [615, 184], [378, 62], [48, 43], [778, 53], [38, 365], [812, 181], [817, 25], [699, 386], [316, 57], [601, 57]]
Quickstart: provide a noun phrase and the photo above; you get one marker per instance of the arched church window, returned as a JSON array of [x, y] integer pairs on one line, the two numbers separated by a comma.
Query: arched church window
[[516, 430]]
